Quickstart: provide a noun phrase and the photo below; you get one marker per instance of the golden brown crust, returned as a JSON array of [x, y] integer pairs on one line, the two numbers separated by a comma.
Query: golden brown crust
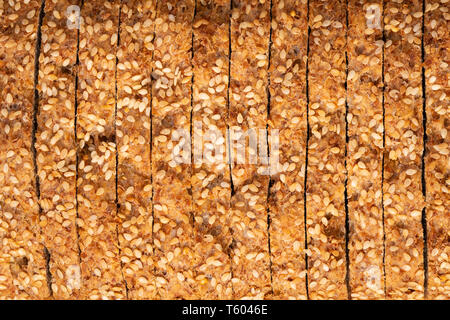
[[250, 28], [56, 148], [133, 145], [326, 158], [437, 60], [403, 199], [22, 262], [204, 241], [288, 115], [211, 186], [171, 108], [365, 148], [100, 262]]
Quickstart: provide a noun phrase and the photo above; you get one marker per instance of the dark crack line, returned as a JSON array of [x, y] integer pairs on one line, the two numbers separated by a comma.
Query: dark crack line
[[306, 154], [117, 152], [232, 190], [347, 224], [36, 100], [425, 139], [47, 254], [230, 51], [48, 273], [77, 64], [384, 148], [151, 145], [191, 128], [268, 146]]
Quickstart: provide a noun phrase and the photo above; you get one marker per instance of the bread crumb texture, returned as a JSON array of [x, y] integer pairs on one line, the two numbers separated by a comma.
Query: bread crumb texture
[[224, 149]]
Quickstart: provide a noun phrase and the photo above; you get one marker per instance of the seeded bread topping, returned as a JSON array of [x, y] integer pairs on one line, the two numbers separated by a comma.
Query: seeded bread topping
[[250, 35], [175, 257], [211, 188], [288, 114], [437, 60], [56, 152], [365, 150], [101, 270], [402, 188], [22, 253], [224, 149], [134, 182], [325, 188]]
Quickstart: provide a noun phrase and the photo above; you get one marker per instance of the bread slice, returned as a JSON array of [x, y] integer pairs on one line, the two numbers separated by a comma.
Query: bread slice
[[100, 261], [325, 201], [403, 199], [250, 32], [56, 151], [365, 148], [134, 185], [22, 255], [211, 188], [171, 111], [437, 59], [288, 115]]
